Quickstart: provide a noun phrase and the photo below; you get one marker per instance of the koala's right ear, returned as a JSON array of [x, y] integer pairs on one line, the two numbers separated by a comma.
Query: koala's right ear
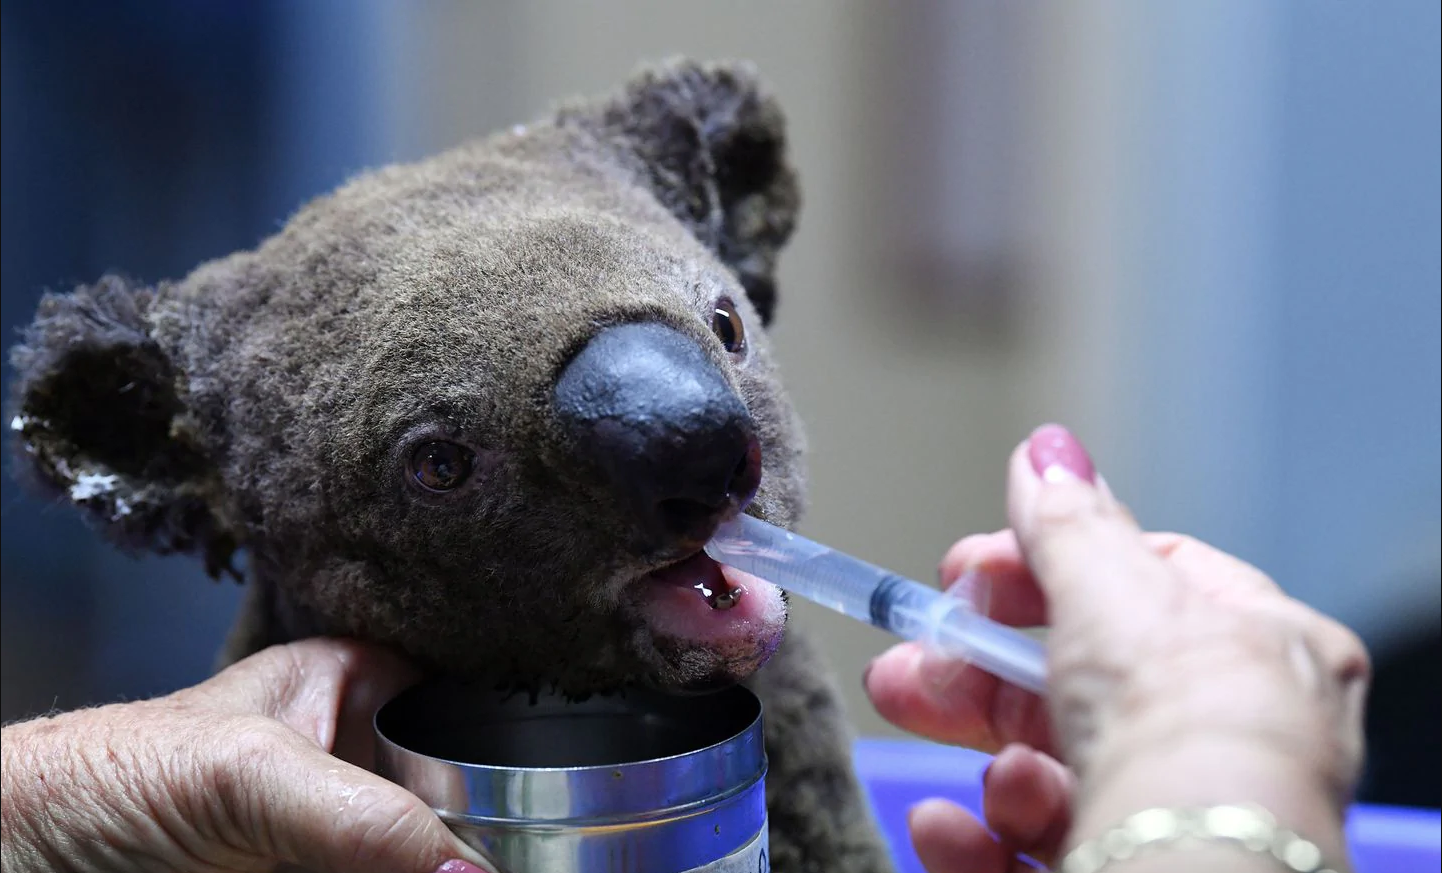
[[712, 142], [100, 420]]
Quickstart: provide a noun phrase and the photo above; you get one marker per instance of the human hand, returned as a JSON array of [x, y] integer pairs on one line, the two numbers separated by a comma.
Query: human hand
[[240, 773], [1177, 675]]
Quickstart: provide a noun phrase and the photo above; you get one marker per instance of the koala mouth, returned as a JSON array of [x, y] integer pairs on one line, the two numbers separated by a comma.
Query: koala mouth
[[699, 601], [704, 576]]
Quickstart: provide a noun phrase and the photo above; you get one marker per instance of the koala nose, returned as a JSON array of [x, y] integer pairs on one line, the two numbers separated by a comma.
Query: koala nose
[[644, 404]]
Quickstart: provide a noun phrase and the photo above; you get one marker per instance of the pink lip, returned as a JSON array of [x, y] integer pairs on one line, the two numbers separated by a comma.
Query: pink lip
[[677, 605]]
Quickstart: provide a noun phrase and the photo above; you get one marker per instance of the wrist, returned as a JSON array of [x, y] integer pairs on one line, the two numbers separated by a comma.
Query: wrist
[[1207, 770]]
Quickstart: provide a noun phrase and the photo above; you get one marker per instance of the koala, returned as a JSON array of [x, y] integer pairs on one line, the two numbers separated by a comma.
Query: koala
[[485, 409]]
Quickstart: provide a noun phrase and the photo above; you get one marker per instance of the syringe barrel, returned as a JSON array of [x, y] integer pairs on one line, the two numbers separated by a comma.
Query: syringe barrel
[[796, 564], [868, 593], [949, 626], [906, 608]]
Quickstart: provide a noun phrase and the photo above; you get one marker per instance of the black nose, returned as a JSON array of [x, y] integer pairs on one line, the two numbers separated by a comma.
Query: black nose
[[644, 405]]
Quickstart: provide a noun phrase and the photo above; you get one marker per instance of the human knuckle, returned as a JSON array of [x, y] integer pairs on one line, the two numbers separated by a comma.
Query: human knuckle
[[322, 653], [275, 659], [1350, 659], [384, 822], [1076, 509], [1182, 547], [1164, 542], [251, 745], [238, 771], [1190, 551], [1334, 647], [1061, 507]]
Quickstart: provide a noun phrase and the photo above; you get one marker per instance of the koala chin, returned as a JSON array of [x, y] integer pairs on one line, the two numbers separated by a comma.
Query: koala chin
[[485, 409]]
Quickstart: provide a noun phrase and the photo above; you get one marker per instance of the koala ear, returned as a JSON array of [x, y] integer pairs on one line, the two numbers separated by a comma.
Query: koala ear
[[99, 420], [713, 146]]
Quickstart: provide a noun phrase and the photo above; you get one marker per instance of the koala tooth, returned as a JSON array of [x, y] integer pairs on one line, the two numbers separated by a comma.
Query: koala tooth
[[726, 600], [719, 599]]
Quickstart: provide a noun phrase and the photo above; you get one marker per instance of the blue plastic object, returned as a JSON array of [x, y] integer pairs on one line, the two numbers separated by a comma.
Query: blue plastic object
[[899, 773]]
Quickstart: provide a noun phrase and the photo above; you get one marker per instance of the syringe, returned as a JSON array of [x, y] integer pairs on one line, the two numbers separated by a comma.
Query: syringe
[[911, 610]]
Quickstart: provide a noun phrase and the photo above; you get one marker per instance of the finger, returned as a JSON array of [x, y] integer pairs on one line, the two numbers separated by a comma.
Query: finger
[[326, 689], [1085, 552], [995, 561], [371, 677], [1026, 799], [287, 799], [954, 703], [948, 839]]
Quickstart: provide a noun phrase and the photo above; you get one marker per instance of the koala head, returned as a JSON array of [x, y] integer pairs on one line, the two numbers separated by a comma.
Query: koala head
[[486, 408]]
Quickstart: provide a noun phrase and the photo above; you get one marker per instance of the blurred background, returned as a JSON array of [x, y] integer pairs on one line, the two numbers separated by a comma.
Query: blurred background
[[1203, 235]]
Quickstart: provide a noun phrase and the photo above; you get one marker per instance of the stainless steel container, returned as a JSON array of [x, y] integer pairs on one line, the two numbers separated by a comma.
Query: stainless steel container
[[640, 783]]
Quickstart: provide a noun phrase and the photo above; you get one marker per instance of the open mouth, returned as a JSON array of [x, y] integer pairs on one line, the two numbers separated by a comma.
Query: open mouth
[[699, 601], [704, 576]]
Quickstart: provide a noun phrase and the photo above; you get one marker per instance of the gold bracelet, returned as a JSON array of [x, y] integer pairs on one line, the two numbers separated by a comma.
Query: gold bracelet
[[1244, 826]]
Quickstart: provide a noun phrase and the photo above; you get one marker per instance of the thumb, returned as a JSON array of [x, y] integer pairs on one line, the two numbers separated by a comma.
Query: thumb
[[326, 689], [284, 798], [1087, 554]]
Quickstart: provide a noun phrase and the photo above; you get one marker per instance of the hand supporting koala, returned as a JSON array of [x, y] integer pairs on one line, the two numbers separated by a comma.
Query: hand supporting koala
[[261, 765]]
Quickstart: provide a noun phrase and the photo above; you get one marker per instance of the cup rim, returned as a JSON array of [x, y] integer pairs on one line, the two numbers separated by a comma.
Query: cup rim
[[740, 692]]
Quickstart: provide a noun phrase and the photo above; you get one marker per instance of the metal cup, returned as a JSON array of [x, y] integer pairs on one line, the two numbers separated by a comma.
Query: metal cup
[[635, 783]]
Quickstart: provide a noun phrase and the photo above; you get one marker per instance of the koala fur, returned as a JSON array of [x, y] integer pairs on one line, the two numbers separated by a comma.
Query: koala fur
[[266, 403]]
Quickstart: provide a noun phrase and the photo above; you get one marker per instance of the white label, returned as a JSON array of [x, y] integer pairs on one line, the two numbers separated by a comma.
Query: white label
[[754, 857]]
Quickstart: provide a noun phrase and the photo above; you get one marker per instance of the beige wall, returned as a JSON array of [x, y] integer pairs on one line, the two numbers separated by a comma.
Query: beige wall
[[909, 427]]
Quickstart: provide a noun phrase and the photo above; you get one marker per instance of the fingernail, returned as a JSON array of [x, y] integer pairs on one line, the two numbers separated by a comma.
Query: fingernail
[[866, 673], [1055, 453], [459, 866], [922, 805]]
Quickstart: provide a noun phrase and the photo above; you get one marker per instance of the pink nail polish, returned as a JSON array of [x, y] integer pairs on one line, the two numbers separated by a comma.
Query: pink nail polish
[[459, 866], [1052, 447]]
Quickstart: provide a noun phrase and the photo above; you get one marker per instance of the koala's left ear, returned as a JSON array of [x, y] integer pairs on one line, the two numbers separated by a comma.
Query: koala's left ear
[[99, 420], [713, 145]]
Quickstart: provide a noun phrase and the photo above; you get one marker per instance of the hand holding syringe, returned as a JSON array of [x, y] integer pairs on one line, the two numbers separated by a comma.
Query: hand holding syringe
[[944, 622]]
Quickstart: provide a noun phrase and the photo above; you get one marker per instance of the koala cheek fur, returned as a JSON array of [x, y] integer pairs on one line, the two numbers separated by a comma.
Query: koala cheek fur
[[485, 409]]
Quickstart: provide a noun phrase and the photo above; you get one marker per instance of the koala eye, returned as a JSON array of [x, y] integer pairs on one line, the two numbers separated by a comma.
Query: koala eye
[[726, 323], [441, 466]]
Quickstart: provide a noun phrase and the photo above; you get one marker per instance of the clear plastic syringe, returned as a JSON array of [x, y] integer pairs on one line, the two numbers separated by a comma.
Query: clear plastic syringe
[[945, 622]]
